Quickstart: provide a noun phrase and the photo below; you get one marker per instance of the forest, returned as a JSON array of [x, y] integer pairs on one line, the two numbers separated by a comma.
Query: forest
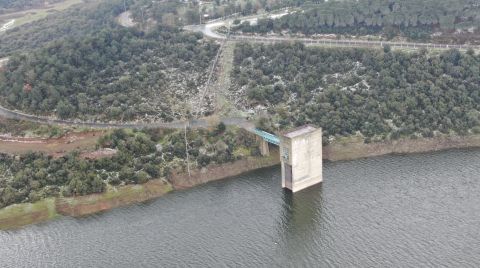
[[80, 64], [141, 156], [189, 12], [414, 19], [114, 74], [74, 22], [171, 13], [382, 94], [223, 8]]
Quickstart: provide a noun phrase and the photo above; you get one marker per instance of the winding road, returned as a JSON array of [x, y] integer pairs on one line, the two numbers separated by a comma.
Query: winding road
[[209, 30]]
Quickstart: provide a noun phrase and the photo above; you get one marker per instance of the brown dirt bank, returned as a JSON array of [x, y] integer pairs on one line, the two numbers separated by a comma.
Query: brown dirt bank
[[121, 196], [354, 148], [19, 215], [217, 172], [23, 214]]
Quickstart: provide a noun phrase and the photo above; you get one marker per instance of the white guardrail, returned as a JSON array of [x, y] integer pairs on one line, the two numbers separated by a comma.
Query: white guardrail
[[349, 43]]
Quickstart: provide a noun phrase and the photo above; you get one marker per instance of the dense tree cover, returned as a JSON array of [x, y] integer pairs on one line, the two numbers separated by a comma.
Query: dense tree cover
[[416, 19], [141, 156], [382, 94], [73, 22], [186, 13], [35, 176], [165, 12], [222, 8], [116, 73], [15, 5]]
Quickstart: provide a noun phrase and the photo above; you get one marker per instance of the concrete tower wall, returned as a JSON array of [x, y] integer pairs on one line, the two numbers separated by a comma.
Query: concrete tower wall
[[285, 157], [301, 150]]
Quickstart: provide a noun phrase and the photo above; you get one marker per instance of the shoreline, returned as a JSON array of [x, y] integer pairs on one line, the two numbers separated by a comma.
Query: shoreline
[[20, 215], [354, 147]]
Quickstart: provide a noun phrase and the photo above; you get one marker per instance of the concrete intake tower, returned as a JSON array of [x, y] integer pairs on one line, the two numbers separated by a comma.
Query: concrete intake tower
[[300, 156]]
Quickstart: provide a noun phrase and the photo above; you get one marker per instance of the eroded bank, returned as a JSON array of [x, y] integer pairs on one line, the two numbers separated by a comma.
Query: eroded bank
[[19, 215]]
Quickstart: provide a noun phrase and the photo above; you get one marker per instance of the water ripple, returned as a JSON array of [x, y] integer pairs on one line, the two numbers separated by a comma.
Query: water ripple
[[395, 211]]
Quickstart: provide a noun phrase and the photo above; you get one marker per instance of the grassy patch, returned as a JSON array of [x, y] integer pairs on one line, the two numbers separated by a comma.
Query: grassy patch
[[115, 197], [242, 151], [348, 139], [37, 14], [19, 215]]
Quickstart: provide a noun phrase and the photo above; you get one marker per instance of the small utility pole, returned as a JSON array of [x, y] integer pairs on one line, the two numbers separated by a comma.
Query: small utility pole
[[186, 149], [124, 5]]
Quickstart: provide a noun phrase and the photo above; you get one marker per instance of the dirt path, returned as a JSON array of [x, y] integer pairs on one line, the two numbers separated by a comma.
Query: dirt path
[[224, 104], [67, 143]]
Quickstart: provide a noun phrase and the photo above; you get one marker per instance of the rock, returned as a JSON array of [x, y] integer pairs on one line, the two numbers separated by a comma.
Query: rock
[[221, 146]]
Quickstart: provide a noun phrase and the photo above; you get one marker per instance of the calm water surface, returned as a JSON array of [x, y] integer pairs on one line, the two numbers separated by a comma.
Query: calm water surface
[[395, 211]]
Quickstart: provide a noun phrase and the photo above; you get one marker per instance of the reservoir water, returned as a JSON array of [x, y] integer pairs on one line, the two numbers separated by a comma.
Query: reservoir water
[[394, 211]]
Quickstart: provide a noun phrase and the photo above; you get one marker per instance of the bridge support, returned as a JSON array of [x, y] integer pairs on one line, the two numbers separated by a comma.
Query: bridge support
[[301, 158], [264, 150]]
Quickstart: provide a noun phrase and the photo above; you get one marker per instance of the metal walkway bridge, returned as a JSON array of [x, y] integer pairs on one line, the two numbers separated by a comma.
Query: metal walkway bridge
[[270, 138]]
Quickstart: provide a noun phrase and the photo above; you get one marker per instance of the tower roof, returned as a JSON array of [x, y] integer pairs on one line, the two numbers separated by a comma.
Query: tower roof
[[299, 131]]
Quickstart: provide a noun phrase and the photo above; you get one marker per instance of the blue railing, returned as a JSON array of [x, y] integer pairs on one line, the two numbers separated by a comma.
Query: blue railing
[[267, 136]]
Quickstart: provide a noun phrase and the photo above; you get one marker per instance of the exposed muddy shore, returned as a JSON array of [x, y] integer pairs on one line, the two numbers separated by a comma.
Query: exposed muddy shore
[[19, 215]]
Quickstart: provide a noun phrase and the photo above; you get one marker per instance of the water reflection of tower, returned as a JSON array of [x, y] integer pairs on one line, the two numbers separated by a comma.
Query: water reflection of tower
[[301, 223]]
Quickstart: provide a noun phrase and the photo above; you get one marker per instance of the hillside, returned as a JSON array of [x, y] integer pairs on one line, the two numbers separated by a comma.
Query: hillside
[[115, 74], [139, 157], [381, 94], [83, 66]]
